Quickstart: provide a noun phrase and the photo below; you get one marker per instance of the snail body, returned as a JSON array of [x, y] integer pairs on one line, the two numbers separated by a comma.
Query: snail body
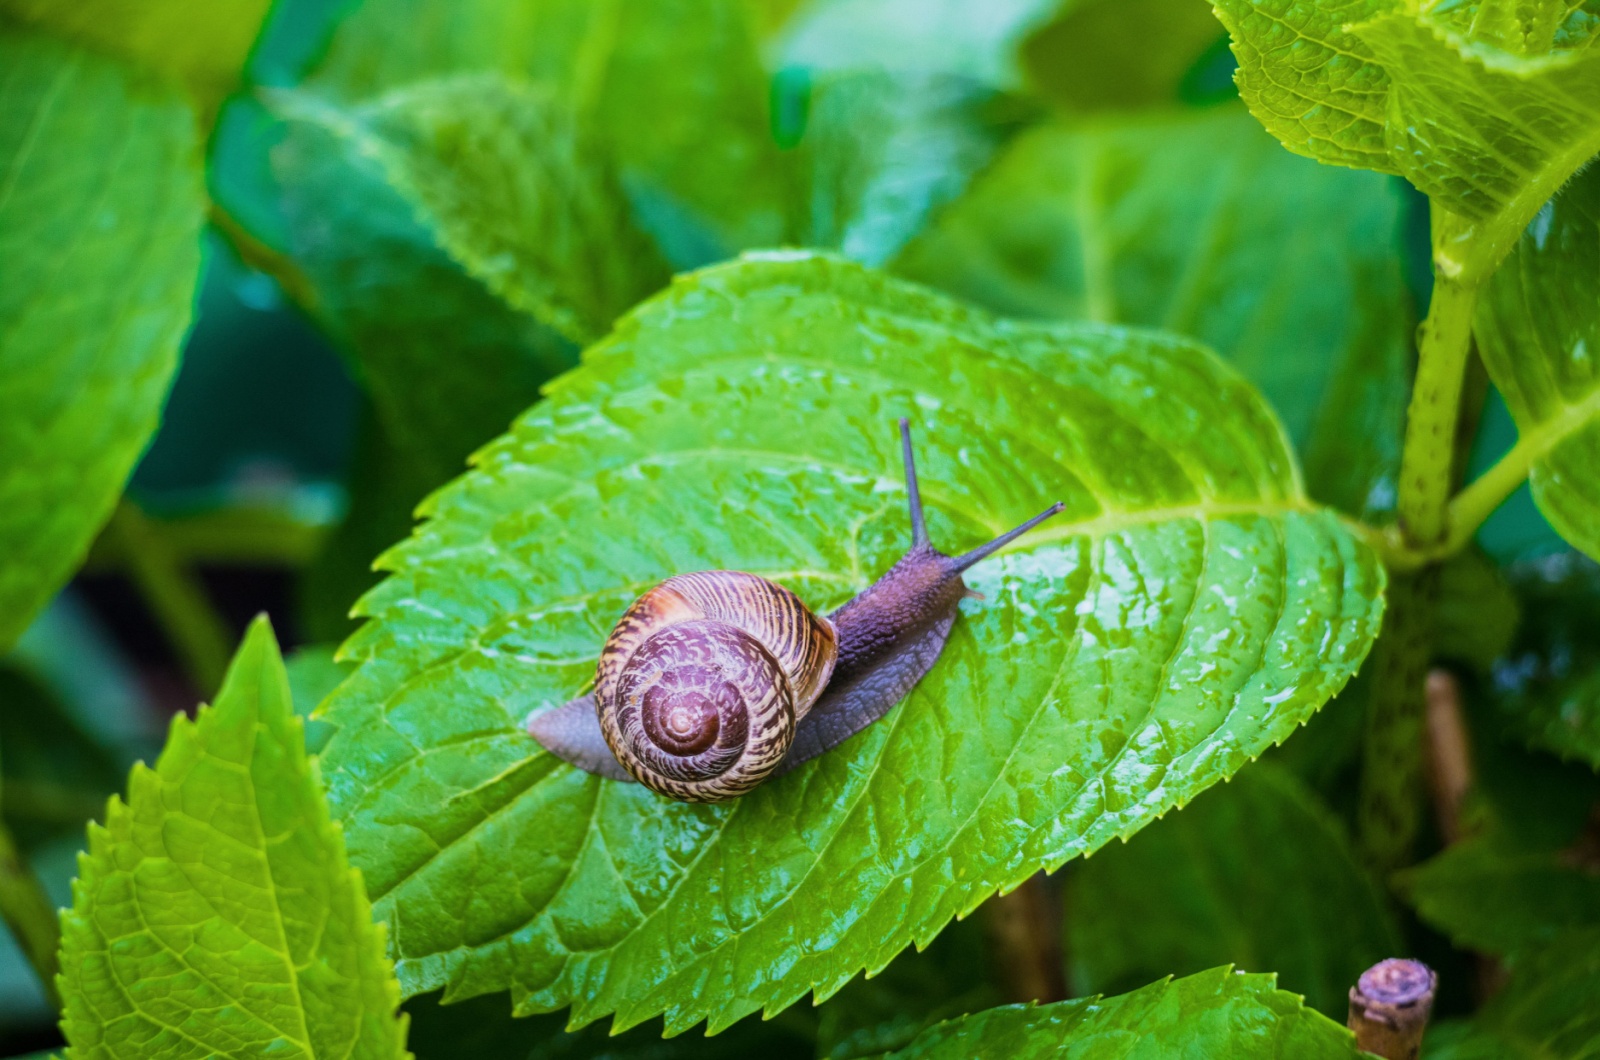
[[715, 681]]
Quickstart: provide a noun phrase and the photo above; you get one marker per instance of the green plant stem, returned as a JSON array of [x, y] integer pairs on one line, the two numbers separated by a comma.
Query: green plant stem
[[1389, 806], [175, 596], [32, 918], [1428, 460]]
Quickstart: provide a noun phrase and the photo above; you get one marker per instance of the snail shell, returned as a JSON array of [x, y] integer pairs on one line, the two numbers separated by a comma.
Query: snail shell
[[703, 682]]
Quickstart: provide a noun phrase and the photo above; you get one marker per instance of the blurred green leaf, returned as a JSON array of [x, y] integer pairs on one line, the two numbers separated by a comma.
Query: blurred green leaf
[[511, 189], [1548, 686], [215, 913], [955, 975], [1190, 609], [1476, 611], [1200, 224], [313, 673], [1255, 873], [100, 233], [1546, 1013], [53, 775], [1538, 330], [201, 43], [1486, 126], [1498, 893], [1214, 1014], [1118, 54], [673, 88]]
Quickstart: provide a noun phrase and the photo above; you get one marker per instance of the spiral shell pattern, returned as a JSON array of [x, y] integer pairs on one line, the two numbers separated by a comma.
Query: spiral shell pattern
[[702, 682]]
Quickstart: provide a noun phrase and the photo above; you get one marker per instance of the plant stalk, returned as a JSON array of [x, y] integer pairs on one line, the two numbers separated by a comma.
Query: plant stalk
[[1427, 463], [28, 911], [175, 596]]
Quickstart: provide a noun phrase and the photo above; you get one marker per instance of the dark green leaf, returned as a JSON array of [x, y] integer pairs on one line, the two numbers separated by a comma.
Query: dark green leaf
[[55, 776], [1499, 893], [1255, 873], [100, 236], [1188, 610], [313, 673], [215, 913], [1213, 1014], [1200, 224], [1538, 330], [1118, 54], [1476, 613], [1547, 1013], [1548, 686]]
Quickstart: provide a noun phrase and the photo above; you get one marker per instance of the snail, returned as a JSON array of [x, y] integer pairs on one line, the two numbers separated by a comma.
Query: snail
[[714, 681]]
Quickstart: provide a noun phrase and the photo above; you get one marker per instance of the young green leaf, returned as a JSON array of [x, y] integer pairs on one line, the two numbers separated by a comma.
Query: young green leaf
[[201, 45], [1189, 609], [1546, 1013], [100, 235], [1498, 893], [513, 191], [1118, 54], [1257, 873], [1215, 1013], [215, 913], [673, 88], [1538, 329], [1487, 122], [1200, 224]]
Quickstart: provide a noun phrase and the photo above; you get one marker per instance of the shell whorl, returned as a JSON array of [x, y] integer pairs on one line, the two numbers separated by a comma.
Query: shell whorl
[[701, 684]]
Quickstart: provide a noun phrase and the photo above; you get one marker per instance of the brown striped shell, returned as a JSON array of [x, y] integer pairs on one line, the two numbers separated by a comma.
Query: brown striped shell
[[703, 681]]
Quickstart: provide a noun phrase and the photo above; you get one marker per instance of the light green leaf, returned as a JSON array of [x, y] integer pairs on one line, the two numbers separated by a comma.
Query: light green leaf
[[1538, 329], [1547, 688], [1189, 609], [100, 234], [215, 913], [1256, 873], [1432, 94], [673, 88], [1215, 1013], [1200, 224], [202, 44], [1118, 54], [1546, 1013], [1498, 893], [513, 191]]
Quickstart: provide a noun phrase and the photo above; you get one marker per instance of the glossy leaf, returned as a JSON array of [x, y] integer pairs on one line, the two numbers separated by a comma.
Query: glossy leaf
[[1090, 57], [673, 88], [1538, 330], [1498, 893], [1200, 224], [1214, 1013], [100, 235], [1189, 609], [1547, 687], [1546, 1013], [203, 44], [1256, 873], [1435, 93], [215, 913]]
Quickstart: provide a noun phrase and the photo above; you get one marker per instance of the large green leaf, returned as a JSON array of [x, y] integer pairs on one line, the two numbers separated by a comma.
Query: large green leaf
[[215, 913], [1215, 1013], [1189, 609], [1546, 1013], [1547, 687], [203, 44], [100, 220], [1498, 893], [1200, 224], [1256, 873], [674, 88], [1538, 330], [1487, 122]]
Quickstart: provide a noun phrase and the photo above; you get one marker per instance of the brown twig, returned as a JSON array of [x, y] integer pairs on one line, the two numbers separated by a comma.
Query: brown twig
[[1449, 753], [1390, 1005], [1025, 929]]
